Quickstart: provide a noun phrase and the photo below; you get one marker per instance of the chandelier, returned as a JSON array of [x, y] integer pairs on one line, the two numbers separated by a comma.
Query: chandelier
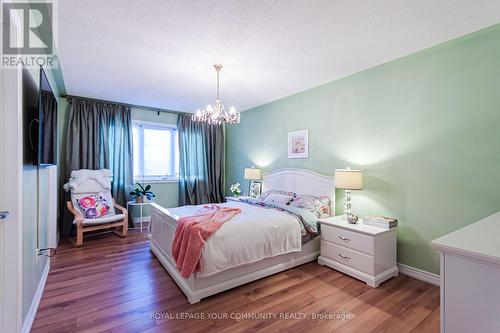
[[217, 113]]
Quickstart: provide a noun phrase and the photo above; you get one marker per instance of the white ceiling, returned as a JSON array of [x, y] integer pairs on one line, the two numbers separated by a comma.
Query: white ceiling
[[160, 53]]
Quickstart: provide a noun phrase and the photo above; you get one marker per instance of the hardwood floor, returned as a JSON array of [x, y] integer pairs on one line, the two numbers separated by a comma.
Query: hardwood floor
[[117, 285]]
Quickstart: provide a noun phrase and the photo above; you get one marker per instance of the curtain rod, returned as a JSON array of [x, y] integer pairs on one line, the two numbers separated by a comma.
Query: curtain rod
[[143, 107]]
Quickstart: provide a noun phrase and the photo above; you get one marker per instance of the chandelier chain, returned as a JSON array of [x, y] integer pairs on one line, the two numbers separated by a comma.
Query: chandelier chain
[[218, 85]]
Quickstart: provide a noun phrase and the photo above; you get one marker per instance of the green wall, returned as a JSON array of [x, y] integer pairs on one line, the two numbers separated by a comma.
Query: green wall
[[425, 128], [34, 265]]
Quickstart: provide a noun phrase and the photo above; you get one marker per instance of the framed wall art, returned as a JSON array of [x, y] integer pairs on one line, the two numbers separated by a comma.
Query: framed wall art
[[298, 144]]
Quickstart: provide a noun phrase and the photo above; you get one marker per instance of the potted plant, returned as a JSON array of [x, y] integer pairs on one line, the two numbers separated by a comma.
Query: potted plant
[[140, 192], [235, 189]]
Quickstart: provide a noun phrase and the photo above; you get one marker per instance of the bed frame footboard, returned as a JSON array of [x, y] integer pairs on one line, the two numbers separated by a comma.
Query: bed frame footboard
[[163, 224]]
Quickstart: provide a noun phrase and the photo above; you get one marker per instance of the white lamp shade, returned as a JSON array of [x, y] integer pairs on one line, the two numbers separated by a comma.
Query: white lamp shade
[[349, 179], [252, 174]]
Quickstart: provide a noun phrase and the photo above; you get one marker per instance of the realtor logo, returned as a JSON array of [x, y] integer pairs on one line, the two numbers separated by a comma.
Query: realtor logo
[[33, 31], [28, 34]]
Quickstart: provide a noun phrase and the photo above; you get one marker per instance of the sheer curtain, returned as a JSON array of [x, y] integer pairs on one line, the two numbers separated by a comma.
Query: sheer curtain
[[201, 170], [99, 136]]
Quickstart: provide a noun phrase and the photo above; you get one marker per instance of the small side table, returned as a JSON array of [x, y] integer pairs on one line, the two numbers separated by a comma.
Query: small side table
[[140, 204]]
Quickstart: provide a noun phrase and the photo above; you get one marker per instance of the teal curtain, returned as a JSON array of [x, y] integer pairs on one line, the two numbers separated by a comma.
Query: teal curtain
[[201, 169], [99, 136]]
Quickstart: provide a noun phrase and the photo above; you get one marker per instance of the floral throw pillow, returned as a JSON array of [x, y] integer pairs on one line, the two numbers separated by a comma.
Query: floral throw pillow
[[278, 198], [93, 206], [317, 205]]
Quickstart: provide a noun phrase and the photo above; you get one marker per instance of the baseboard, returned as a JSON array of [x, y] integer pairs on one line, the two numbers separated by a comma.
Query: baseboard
[[419, 274], [30, 317]]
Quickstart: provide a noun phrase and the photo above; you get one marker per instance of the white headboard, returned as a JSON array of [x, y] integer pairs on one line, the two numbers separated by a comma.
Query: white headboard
[[301, 181]]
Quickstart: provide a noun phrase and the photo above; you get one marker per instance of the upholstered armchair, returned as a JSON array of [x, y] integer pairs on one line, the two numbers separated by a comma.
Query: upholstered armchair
[[92, 205]]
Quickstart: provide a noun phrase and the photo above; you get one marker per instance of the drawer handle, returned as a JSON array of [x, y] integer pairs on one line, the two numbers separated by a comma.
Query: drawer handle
[[345, 238], [343, 256]]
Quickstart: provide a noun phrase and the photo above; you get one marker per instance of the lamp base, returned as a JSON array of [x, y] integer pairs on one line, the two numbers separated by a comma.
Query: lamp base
[[347, 205], [349, 216]]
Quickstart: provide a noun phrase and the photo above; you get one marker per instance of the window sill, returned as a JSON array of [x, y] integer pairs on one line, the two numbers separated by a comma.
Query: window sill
[[156, 181]]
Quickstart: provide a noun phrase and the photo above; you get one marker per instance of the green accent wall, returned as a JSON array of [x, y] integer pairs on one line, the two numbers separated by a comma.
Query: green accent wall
[[34, 265], [424, 128]]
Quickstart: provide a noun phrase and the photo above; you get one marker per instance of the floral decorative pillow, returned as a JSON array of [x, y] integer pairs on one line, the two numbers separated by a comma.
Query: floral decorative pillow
[[278, 198], [317, 205], [94, 206]]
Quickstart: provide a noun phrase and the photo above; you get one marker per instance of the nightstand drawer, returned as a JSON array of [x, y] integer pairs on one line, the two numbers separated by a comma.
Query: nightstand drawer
[[354, 259], [346, 238]]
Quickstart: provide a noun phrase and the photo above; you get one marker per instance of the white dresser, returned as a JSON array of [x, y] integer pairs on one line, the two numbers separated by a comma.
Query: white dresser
[[470, 277], [365, 252]]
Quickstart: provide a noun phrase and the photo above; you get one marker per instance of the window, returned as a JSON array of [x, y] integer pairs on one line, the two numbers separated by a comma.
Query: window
[[156, 151]]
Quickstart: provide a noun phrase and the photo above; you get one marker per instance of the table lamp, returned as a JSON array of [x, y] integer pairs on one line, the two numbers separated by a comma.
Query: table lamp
[[252, 175], [348, 180]]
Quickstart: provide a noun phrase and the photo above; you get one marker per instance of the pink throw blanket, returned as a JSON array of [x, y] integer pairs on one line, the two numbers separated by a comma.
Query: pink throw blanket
[[191, 233]]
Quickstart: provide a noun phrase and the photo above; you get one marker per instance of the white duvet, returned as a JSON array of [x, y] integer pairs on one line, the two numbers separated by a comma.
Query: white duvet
[[254, 234]]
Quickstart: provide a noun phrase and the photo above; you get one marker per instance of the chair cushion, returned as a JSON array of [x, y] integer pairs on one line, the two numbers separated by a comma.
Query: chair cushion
[[93, 205], [104, 219]]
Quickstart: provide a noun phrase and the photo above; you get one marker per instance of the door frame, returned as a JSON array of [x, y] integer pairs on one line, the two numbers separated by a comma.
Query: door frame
[[11, 198]]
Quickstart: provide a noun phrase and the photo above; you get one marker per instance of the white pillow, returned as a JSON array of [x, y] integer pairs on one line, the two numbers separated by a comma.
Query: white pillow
[[277, 198], [269, 192]]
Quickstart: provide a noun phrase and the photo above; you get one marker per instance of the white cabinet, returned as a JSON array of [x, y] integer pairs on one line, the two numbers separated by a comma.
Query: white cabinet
[[365, 252], [470, 277]]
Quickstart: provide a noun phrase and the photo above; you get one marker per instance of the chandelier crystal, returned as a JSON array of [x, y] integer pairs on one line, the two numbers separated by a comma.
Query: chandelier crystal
[[216, 113]]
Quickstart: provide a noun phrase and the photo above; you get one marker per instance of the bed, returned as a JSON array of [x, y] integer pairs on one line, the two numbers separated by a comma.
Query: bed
[[200, 285]]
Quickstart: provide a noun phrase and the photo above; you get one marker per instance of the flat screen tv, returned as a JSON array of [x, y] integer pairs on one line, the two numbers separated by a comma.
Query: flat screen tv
[[47, 149], [40, 121]]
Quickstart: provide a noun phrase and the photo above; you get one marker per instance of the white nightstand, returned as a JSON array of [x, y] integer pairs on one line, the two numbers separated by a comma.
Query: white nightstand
[[365, 252], [236, 198]]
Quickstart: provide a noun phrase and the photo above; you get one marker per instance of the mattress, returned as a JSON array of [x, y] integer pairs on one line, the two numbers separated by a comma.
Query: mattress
[[254, 234]]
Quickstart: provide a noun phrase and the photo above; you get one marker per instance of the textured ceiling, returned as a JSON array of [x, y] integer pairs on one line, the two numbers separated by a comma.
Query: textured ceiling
[[160, 53]]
